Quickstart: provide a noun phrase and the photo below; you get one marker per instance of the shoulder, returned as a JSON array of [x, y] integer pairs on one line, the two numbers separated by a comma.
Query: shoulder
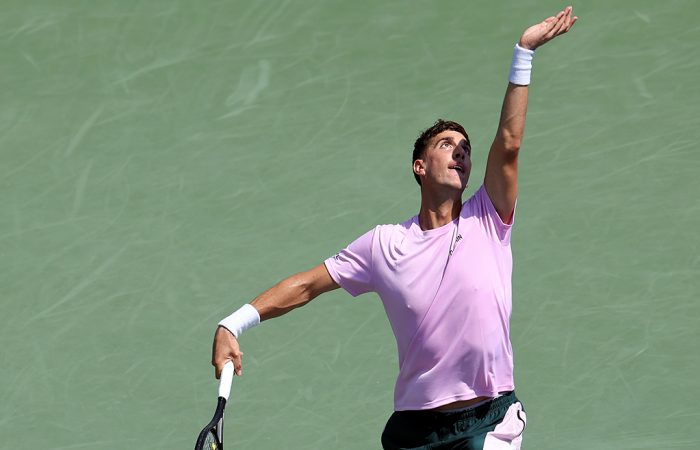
[[480, 209], [394, 228], [381, 234], [387, 235], [475, 202]]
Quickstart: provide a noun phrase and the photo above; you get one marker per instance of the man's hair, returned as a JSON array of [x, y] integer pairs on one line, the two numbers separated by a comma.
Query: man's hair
[[424, 139]]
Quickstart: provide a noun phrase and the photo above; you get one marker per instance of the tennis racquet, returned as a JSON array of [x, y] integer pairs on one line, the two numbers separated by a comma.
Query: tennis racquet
[[212, 436]]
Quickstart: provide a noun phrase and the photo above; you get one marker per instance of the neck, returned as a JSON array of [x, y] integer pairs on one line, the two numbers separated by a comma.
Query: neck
[[436, 211]]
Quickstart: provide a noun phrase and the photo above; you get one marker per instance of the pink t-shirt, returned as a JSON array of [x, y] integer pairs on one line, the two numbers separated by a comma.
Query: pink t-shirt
[[450, 313]]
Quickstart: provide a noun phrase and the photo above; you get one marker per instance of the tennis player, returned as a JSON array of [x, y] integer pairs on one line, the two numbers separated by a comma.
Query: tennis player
[[444, 277]]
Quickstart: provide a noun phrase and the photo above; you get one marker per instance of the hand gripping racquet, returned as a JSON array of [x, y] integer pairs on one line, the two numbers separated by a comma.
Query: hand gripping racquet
[[212, 436]]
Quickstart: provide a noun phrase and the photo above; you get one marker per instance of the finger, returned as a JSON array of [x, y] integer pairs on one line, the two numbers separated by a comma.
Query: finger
[[553, 20], [564, 17], [218, 367], [236, 358], [569, 10], [563, 26], [565, 13], [238, 364], [569, 23], [549, 24], [573, 21], [561, 23], [551, 32]]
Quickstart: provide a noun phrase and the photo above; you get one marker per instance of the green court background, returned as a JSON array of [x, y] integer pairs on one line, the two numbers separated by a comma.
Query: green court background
[[162, 162]]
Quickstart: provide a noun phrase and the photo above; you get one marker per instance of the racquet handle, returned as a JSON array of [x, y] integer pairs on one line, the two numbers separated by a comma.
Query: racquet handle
[[226, 379]]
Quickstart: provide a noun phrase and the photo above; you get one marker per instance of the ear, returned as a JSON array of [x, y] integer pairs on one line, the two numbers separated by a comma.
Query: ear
[[419, 167]]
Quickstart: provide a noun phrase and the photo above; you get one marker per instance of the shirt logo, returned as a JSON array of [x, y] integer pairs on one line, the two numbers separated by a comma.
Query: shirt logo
[[454, 246]]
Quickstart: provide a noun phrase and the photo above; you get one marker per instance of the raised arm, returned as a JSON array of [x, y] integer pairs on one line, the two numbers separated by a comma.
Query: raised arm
[[501, 179], [283, 297]]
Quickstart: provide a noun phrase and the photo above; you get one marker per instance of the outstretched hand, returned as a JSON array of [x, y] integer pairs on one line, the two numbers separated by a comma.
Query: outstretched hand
[[548, 29]]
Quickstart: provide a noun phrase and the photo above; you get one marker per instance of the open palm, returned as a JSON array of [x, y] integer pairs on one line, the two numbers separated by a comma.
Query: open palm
[[548, 29]]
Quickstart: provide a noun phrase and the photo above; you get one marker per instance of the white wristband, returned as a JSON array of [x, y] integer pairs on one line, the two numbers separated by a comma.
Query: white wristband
[[521, 66], [245, 317]]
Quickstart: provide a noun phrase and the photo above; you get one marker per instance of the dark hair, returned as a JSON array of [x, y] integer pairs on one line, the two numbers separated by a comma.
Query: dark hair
[[425, 137]]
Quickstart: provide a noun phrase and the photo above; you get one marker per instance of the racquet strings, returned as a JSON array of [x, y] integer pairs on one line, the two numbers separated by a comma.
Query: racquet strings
[[211, 443]]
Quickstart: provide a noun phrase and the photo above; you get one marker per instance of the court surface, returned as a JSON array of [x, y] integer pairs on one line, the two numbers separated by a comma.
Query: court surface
[[163, 162]]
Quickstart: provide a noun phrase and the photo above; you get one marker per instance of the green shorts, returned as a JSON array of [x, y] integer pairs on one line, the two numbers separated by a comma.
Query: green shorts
[[497, 424]]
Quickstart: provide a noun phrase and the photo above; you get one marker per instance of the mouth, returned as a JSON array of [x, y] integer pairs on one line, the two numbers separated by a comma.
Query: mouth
[[458, 168]]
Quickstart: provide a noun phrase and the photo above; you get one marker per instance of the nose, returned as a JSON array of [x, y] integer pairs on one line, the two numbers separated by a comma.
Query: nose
[[460, 152]]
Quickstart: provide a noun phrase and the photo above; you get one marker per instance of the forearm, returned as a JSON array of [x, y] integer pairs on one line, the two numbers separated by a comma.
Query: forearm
[[501, 179], [279, 299], [293, 292], [283, 297], [511, 126]]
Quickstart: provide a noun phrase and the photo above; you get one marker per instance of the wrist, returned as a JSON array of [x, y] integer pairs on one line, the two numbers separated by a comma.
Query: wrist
[[526, 46], [521, 65], [242, 319]]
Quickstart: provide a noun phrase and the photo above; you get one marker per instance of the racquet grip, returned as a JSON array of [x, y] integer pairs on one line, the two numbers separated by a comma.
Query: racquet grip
[[226, 379]]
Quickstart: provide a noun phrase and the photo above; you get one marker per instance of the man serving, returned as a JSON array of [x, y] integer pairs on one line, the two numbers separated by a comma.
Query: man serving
[[444, 277]]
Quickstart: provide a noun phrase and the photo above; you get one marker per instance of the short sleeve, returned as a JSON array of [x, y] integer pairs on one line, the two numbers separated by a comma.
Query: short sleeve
[[352, 267], [488, 216]]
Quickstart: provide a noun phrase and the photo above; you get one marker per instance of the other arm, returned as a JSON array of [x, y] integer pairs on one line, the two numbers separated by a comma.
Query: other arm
[[501, 179], [283, 297]]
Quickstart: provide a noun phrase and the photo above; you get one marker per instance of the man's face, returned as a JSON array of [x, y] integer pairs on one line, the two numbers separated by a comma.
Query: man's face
[[446, 162]]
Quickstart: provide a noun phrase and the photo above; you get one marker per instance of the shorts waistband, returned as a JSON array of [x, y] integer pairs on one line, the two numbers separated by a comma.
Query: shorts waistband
[[504, 400]]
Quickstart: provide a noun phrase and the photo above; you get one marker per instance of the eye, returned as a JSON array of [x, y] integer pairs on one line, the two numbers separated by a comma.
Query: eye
[[445, 144]]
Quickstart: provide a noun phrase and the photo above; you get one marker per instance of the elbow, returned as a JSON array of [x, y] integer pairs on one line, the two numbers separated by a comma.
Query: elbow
[[306, 292], [512, 146], [510, 143], [304, 289]]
